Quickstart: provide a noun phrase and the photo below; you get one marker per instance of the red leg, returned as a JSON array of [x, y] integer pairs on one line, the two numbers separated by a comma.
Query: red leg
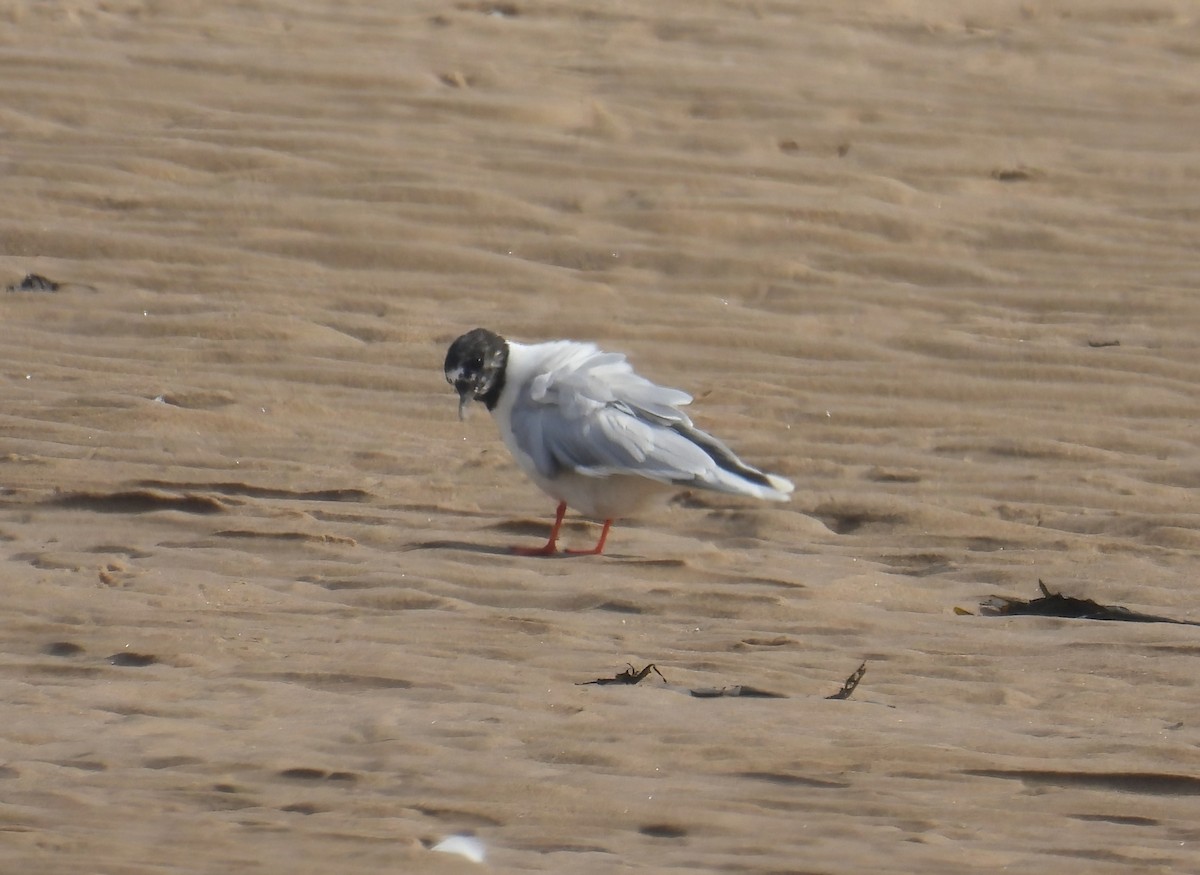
[[551, 547], [599, 548]]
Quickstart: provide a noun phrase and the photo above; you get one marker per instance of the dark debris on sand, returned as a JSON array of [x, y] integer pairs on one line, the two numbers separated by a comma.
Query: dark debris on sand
[[851, 683], [1054, 604], [633, 676], [34, 282]]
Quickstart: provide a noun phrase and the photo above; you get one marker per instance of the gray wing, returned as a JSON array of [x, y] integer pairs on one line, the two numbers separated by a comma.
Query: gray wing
[[593, 415]]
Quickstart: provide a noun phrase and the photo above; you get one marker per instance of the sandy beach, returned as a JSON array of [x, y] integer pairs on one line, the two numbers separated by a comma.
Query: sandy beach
[[934, 262]]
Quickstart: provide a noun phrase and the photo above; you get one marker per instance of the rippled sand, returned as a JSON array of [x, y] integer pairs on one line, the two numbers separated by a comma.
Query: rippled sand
[[933, 261]]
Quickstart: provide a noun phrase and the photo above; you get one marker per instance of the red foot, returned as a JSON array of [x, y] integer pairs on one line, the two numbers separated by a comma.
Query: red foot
[[599, 548], [550, 548]]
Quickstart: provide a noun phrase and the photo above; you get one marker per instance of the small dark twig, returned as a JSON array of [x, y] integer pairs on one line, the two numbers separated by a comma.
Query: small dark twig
[[851, 683], [629, 676]]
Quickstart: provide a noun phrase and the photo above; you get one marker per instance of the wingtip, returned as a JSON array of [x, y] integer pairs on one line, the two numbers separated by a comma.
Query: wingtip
[[784, 487]]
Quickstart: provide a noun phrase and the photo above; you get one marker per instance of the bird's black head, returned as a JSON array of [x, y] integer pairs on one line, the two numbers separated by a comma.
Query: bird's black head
[[475, 367]]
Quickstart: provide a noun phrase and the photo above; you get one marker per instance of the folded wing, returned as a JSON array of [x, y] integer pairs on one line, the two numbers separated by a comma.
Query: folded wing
[[588, 412]]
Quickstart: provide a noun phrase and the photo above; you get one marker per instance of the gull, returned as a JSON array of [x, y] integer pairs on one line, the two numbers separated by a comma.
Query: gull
[[591, 433]]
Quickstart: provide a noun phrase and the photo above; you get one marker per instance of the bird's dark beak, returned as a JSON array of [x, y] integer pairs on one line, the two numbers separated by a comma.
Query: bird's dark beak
[[466, 394]]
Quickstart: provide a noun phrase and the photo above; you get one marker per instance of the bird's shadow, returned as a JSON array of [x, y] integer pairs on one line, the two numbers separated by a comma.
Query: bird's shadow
[[461, 546], [488, 550]]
